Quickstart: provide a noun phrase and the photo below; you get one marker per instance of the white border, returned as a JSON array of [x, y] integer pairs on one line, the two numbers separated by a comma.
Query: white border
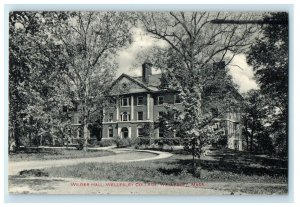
[[293, 97]]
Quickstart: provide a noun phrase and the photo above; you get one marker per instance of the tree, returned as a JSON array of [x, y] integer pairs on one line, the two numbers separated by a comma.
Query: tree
[[34, 67], [255, 120], [89, 42], [269, 58], [58, 59], [197, 50]]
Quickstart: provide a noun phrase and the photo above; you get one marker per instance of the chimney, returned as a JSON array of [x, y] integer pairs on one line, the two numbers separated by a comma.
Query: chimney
[[219, 65], [146, 71]]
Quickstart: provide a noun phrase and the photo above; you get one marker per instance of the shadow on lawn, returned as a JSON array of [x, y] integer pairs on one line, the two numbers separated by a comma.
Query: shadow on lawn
[[241, 163]]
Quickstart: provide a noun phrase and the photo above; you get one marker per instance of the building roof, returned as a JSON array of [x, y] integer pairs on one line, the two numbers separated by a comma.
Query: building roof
[[154, 80]]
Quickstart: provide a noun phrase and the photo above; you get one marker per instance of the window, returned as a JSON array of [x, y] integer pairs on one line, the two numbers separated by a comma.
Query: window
[[125, 116], [69, 132], [140, 115], [160, 133], [111, 117], [125, 102], [160, 114], [140, 100], [80, 133], [176, 117], [110, 132], [112, 101], [139, 131], [214, 112], [65, 108], [160, 100], [177, 98]]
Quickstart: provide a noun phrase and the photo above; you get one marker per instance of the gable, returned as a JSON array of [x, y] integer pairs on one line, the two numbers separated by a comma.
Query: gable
[[126, 85]]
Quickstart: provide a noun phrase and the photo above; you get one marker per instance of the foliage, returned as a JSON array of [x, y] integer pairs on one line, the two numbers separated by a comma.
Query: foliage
[[57, 60], [235, 170], [147, 130], [124, 142], [106, 143], [36, 94], [194, 60], [254, 120], [269, 58]]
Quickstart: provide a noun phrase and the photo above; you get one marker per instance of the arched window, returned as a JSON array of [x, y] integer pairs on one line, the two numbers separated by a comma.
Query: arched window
[[124, 132], [125, 116]]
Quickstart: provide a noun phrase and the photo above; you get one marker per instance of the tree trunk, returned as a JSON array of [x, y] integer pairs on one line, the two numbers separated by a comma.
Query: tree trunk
[[41, 140], [194, 154], [85, 134], [251, 141]]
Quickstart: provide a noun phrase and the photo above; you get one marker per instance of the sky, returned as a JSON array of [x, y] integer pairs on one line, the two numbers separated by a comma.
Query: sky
[[241, 72]]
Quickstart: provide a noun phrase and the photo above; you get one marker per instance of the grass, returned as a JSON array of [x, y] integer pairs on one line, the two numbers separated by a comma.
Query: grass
[[37, 184], [55, 154], [237, 172], [177, 169]]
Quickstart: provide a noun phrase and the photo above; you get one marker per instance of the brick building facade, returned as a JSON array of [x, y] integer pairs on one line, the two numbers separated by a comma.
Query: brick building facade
[[136, 101]]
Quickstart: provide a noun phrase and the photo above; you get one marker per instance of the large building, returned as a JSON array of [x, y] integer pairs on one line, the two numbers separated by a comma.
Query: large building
[[135, 101]]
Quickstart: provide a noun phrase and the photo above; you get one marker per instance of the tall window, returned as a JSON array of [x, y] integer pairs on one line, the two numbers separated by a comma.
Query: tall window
[[139, 131], [125, 102], [111, 117], [160, 100], [140, 100], [69, 132], [140, 115], [160, 133], [176, 117], [110, 132], [80, 133], [160, 114], [177, 98], [214, 112], [125, 116]]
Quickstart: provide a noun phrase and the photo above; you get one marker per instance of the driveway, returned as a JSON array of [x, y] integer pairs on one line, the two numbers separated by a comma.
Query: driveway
[[121, 155]]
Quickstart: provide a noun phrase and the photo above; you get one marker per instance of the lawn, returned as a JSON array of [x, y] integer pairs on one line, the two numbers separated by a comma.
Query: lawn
[[55, 154], [224, 173]]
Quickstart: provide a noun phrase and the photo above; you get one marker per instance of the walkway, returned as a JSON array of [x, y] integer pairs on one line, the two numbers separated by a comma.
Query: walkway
[[121, 155]]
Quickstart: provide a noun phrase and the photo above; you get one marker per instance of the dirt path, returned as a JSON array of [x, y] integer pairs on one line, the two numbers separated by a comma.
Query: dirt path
[[120, 156]]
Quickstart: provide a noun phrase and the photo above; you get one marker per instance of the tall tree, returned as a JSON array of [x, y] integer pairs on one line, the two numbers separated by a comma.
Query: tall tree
[[34, 67], [269, 58], [90, 41], [196, 53], [255, 121]]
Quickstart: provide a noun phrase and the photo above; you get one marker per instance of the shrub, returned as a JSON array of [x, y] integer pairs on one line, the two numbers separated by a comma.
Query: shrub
[[93, 142], [106, 142], [128, 142], [80, 144], [34, 172]]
